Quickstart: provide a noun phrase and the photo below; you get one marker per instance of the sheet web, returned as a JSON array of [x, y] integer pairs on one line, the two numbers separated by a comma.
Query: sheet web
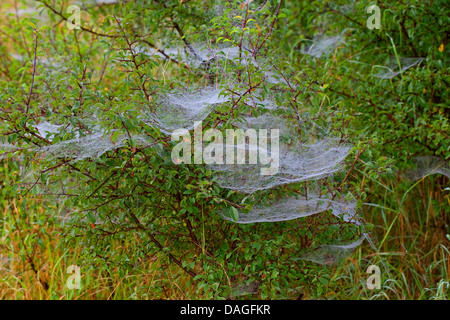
[[427, 165], [295, 161]]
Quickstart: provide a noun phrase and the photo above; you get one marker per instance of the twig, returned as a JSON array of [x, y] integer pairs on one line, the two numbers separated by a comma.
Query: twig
[[34, 72]]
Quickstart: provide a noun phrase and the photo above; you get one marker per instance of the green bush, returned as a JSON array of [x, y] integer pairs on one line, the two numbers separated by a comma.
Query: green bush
[[100, 79]]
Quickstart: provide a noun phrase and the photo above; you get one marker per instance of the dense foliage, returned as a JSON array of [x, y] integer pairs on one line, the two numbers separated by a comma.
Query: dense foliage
[[128, 205]]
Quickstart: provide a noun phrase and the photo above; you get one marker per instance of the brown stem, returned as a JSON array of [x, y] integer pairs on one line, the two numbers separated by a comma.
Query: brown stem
[[159, 245], [34, 72]]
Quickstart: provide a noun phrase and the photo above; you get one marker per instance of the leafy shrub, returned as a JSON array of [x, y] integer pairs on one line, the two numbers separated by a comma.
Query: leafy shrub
[[104, 93]]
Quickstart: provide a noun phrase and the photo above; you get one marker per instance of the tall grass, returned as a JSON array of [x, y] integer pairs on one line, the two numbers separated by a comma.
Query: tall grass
[[34, 260], [411, 224]]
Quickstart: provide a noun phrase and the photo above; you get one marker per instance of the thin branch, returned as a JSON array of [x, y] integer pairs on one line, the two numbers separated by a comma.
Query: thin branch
[[34, 72], [271, 27]]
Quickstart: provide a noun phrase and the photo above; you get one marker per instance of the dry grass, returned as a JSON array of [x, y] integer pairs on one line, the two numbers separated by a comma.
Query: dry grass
[[412, 238], [412, 228], [34, 262]]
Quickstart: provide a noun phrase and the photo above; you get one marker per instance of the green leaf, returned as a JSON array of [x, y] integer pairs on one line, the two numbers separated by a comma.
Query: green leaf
[[91, 217], [234, 214], [31, 24]]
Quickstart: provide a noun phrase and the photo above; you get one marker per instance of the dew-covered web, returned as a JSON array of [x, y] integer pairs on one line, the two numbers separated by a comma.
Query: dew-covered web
[[243, 289], [331, 254], [428, 165], [92, 145], [346, 8], [316, 161], [255, 100], [323, 46], [47, 129], [179, 110], [393, 68], [200, 54], [6, 148], [29, 10], [90, 3], [107, 1], [292, 162], [47, 62], [298, 207]]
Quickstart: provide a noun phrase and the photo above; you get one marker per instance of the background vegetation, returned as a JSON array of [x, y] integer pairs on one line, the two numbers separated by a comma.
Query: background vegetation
[[149, 239]]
